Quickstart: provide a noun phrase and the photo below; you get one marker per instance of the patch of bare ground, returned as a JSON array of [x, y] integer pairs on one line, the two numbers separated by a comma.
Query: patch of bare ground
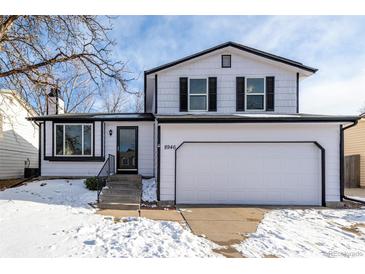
[[354, 229], [7, 183]]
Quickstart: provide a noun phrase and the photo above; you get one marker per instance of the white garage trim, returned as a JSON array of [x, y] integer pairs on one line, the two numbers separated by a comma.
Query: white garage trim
[[319, 146]]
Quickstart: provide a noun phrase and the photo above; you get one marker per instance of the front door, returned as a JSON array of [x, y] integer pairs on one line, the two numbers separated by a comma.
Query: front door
[[127, 149]]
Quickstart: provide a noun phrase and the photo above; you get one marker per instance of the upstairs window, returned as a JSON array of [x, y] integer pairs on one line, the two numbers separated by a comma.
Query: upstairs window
[[255, 94], [198, 95], [73, 139]]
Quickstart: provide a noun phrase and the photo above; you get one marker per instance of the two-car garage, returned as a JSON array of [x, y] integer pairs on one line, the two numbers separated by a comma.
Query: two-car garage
[[248, 173], [249, 163]]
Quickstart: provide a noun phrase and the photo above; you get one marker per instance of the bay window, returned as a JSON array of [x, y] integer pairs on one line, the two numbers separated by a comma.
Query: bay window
[[73, 139]]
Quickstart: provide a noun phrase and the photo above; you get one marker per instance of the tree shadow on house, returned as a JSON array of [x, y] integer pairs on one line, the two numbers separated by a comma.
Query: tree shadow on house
[[16, 153]]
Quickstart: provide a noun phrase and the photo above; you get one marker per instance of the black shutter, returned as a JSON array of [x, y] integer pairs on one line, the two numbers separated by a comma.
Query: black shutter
[[183, 94], [240, 94], [270, 90], [212, 102]]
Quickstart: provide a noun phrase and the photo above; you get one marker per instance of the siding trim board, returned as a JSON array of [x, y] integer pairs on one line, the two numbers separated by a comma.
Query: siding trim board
[[297, 90], [318, 145], [145, 92], [156, 95], [44, 140], [158, 161], [102, 139]]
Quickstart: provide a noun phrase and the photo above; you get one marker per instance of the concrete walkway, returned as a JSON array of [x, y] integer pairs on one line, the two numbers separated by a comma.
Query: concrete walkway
[[355, 192], [224, 225], [153, 214]]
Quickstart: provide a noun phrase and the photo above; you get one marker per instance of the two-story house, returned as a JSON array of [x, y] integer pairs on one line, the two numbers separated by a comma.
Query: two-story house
[[221, 126]]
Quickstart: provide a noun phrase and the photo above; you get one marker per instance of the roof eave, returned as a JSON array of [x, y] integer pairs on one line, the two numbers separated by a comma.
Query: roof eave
[[259, 120], [238, 46]]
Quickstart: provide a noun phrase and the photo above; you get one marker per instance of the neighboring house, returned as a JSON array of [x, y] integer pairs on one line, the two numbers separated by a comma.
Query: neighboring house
[[18, 137], [355, 145], [220, 127]]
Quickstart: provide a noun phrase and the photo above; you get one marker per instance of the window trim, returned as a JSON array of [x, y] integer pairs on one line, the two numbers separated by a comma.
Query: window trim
[[82, 139], [261, 94], [201, 94], [230, 60]]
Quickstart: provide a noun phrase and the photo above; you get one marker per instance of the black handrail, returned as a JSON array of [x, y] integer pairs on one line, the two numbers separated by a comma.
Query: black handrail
[[105, 172]]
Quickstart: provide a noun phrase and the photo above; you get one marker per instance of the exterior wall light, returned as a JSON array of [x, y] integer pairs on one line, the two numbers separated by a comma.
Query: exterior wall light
[[110, 132]]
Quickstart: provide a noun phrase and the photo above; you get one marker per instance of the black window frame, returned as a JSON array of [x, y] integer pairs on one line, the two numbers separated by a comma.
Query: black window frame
[[82, 124], [230, 60]]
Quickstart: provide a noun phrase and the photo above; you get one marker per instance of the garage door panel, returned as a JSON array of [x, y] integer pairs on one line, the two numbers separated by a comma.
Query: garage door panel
[[248, 174]]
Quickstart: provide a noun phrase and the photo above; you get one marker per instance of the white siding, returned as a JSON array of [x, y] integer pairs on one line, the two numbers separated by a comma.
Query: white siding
[[145, 144], [242, 65], [18, 138], [66, 169], [98, 140], [325, 134], [49, 129], [145, 151]]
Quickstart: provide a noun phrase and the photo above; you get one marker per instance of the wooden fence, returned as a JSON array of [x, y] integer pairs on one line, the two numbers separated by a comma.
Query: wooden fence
[[352, 171]]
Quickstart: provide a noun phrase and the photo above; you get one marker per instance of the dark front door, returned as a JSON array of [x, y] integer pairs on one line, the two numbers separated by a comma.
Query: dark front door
[[127, 149]]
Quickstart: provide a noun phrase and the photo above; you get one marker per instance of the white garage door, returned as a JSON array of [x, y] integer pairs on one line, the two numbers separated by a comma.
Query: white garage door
[[248, 173]]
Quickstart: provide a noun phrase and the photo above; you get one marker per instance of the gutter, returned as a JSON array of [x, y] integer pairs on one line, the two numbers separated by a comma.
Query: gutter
[[218, 119], [342, 162]]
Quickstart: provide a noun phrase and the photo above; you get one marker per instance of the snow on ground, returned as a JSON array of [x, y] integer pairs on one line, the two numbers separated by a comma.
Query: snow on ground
[[54, 220], [149, 190], [308, 233]]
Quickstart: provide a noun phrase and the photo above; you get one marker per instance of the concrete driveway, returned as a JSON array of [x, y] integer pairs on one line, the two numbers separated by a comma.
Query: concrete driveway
[[224, 225]]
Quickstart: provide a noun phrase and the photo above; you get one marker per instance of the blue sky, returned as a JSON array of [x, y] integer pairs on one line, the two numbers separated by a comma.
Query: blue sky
[[334, 45]]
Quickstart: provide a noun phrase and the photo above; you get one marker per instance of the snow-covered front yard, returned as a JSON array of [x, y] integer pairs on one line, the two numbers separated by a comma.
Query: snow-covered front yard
[[54, 220], [308, 233]]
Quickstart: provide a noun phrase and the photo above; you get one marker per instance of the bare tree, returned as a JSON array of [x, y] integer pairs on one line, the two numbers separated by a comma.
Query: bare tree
[[113, 101], [362, 110], [139, 102], [68, 52]]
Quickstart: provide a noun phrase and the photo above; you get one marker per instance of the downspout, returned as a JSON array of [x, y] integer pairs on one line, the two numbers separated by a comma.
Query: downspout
[[342, 162], [39, 147]]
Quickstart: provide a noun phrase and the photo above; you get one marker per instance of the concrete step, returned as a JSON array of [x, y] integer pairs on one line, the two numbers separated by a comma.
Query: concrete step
[[121, 191], [126, 177], [119, 199], [125, 206], [117, 184]]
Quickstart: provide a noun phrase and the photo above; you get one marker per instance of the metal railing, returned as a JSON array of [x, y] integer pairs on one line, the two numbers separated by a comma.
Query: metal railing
[[107, 170]]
